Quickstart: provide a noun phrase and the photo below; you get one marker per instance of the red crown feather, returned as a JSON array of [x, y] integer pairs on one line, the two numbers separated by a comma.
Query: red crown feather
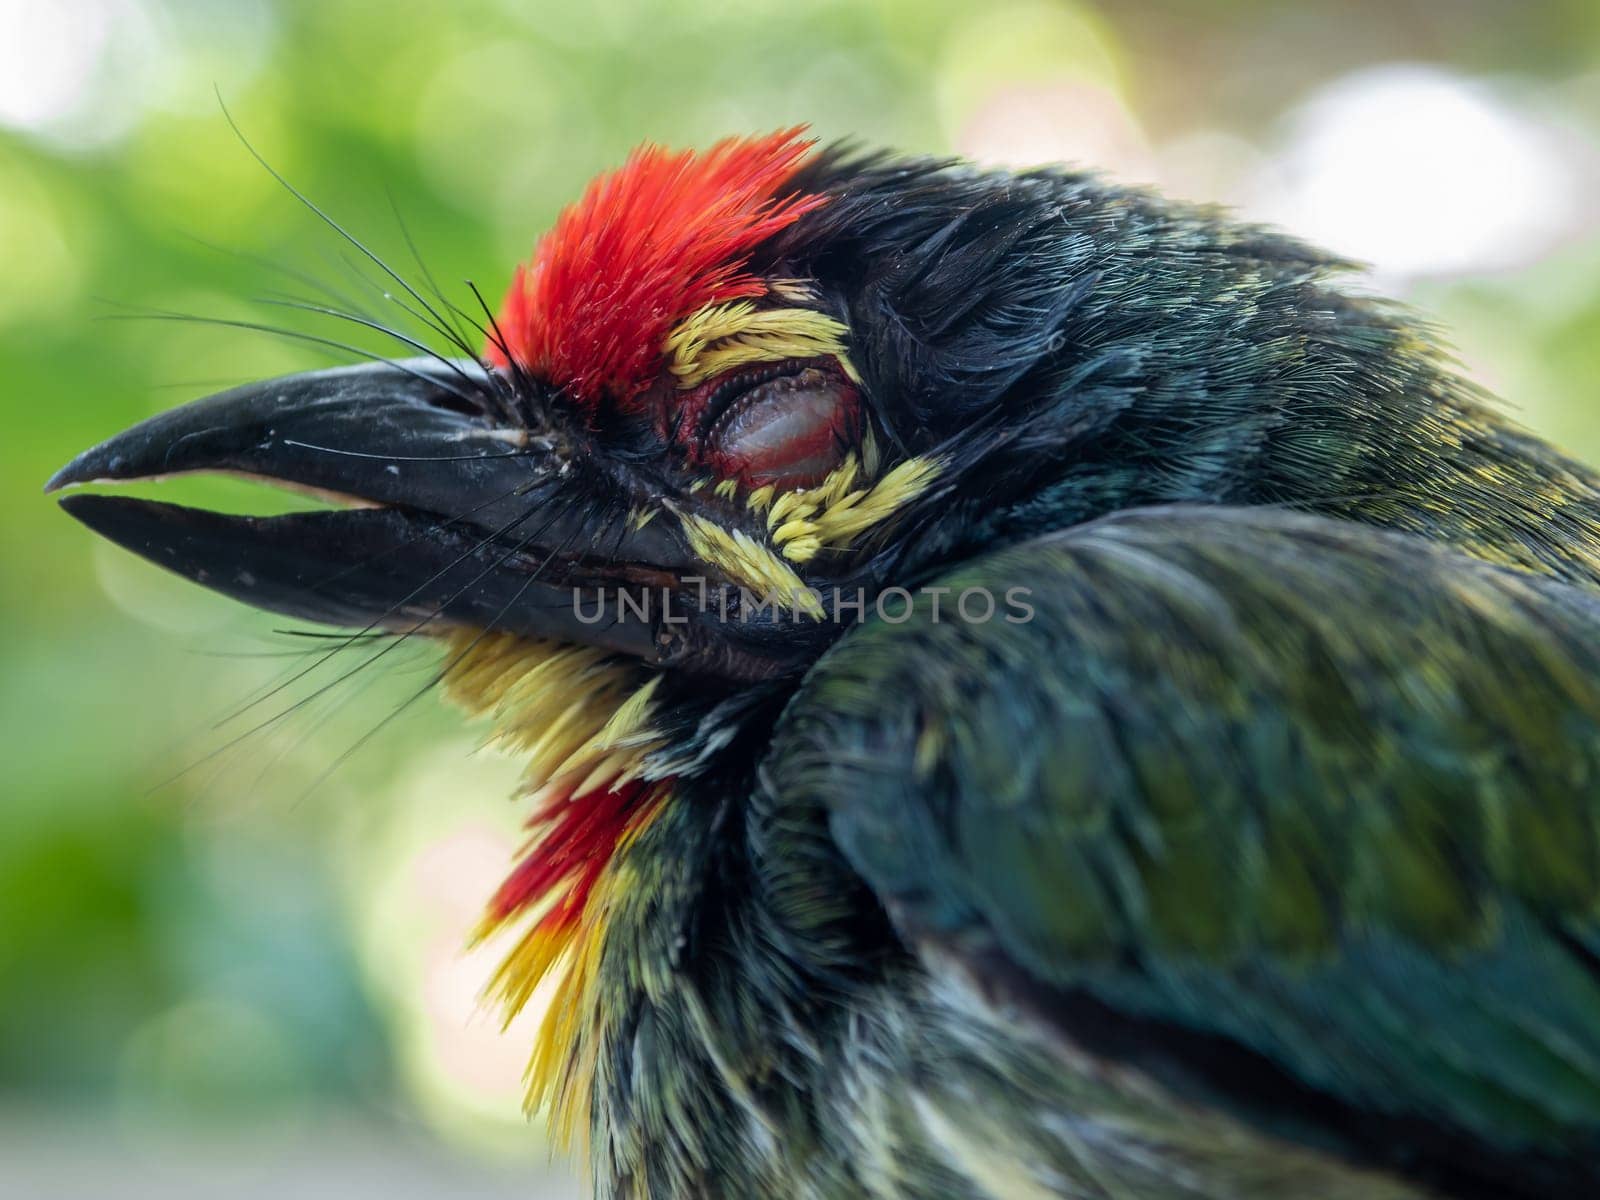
[[648, 245]]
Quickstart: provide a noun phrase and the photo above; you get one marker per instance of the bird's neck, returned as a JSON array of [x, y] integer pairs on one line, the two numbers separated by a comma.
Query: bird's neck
[[1107, 349], [641, 899], [1389, 436], [737, 949], [581, 721]]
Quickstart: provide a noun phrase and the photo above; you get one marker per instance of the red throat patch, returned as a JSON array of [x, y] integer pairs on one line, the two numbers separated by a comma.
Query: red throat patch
[[646, 246]]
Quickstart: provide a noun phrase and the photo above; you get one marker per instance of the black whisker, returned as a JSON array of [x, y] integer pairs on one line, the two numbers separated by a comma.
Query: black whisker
[[328, 220], [384, 294], [519, 384], [498, 394], [295, 335], [304, 278], [426, 620], [450, 307], [439, 675], [404, 457], [371, 626], [329, 634], [496, 334], [443, 673], [377, 327]]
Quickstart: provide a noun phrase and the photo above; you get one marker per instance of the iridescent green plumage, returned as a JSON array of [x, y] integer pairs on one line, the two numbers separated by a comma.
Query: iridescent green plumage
[[1326, 793]]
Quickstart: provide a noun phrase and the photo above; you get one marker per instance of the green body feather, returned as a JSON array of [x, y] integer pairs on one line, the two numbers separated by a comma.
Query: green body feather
[[1328, 793]]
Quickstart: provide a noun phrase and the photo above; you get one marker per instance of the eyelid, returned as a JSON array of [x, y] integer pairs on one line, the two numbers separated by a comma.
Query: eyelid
[[734, 391], [770, 416], [785, 430]]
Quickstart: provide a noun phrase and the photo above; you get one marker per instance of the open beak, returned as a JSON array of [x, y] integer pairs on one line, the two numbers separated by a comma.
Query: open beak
[[457, 520]]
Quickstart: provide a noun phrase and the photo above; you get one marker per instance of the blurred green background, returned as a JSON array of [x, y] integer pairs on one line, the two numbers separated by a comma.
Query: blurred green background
[[252, 977]]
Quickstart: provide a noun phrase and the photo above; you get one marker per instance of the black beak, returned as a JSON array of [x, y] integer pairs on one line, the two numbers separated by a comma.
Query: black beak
[[461, 520]]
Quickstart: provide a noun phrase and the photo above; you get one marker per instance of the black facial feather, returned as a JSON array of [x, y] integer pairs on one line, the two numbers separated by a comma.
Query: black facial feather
[[1074, 347]]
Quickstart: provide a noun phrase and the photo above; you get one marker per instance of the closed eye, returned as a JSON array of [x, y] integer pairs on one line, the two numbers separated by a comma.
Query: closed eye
[[789, 431]]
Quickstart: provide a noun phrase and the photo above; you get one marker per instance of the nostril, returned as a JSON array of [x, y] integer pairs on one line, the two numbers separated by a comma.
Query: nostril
[[456, 403]]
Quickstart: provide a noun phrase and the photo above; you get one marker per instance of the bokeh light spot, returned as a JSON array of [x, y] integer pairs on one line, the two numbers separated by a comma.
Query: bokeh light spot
[[1421, 172]]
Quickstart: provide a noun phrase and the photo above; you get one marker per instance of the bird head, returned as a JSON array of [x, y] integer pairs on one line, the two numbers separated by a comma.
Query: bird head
[[735, 393], [733, 401]]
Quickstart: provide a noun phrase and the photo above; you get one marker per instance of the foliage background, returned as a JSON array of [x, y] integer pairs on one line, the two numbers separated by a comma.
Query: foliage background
[[251, 978]]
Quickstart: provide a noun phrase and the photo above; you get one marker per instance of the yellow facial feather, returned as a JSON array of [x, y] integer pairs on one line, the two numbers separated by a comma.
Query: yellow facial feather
[[722, 336], [582, 719], [869, 453], [836, 512], [748, 562], [799, 292], [577, 716]]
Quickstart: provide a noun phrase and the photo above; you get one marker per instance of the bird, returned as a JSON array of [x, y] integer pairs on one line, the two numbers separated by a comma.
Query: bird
[[1028, 687]]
